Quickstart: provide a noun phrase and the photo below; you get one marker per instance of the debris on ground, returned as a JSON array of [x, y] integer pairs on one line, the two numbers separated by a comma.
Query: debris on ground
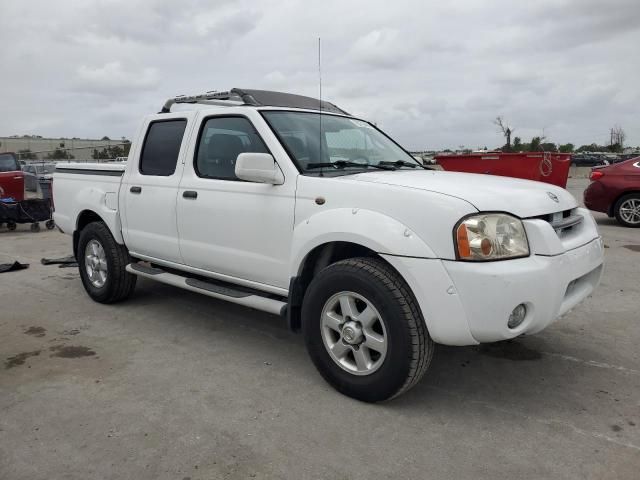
[[64, 262], [12, 267]]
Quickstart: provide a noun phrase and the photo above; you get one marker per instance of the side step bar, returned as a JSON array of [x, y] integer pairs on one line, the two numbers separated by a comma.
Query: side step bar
[[215, 290]]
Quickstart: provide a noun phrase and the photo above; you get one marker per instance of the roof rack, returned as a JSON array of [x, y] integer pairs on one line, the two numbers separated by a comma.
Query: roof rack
[[254, 98]]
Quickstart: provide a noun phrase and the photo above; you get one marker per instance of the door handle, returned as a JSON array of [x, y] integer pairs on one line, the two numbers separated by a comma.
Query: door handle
[[190, 194], [135, 189]]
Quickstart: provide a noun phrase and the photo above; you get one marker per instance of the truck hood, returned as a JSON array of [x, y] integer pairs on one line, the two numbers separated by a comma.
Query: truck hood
[[524, 198]]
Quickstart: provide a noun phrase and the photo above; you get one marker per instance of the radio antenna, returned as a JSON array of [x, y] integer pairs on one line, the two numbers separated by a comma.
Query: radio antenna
[[320, 100]]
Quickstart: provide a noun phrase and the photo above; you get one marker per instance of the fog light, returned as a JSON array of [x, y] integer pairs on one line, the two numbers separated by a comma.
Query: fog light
[[517, 316]]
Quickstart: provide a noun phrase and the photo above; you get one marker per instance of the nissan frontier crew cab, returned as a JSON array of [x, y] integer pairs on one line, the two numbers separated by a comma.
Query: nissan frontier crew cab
[[292, 206]]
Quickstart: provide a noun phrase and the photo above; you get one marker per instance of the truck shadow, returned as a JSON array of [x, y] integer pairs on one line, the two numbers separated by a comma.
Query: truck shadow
[[522, 377]]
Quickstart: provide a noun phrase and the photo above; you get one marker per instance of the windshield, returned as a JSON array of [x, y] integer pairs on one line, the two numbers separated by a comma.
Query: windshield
[[43, 169], [321, 141], [8, 163]]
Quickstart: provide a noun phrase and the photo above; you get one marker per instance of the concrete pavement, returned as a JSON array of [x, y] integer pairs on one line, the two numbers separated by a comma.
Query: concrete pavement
[[173, 385]]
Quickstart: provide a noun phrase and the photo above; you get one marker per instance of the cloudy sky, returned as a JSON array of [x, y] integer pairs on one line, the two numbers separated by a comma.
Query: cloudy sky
[[433, 74]]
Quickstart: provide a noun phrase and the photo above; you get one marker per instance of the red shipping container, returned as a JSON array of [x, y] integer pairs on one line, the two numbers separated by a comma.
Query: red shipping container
[[541, 166]]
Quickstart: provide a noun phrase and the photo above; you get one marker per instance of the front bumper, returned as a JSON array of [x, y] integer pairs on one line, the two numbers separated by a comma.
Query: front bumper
[[466, 303]]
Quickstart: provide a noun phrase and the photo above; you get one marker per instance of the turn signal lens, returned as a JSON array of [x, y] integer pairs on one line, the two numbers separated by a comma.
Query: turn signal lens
[[491, 236]]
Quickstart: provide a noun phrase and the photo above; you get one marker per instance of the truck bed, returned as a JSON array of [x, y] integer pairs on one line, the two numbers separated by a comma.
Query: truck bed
[[87, 186]]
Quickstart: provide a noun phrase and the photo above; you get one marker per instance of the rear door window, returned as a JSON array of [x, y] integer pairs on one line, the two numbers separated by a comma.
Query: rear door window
[[8, 163], [162, 147]]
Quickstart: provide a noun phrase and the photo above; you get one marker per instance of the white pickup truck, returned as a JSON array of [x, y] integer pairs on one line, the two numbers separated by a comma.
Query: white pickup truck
[[292, 206]]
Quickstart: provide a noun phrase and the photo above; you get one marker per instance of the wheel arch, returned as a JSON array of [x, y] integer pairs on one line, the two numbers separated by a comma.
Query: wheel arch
[[612, 212], [84, 218], [336, 234], [314, 261]]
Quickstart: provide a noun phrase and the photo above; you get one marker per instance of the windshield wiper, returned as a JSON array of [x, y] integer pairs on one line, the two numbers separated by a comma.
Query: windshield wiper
[[403, 163], [345, 163]]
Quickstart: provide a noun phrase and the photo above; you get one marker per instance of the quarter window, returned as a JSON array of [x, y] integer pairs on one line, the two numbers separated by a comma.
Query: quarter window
[[162, 147], [221, 141]]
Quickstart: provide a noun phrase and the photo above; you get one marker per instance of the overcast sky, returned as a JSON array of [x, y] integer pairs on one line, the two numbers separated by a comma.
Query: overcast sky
[[432, 74]]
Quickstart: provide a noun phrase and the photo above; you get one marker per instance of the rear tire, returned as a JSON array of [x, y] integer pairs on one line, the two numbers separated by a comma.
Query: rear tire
[[398, 325], [102, 263], [627, 210]]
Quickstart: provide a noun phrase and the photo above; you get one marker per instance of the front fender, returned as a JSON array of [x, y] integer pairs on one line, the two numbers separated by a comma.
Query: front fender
[[373, 230]]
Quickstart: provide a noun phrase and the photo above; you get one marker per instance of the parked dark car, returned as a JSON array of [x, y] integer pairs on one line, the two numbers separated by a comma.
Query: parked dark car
[[581, 160], [615, 190]]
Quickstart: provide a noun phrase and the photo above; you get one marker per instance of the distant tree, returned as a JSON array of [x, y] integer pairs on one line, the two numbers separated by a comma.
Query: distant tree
[[517, 145], [535, 144], [506, 130], [618, 137], [566, 148], [615, 148], [105, 138], [548, 147], [593, 147], [26, 154], [109, 152], [59, 154]]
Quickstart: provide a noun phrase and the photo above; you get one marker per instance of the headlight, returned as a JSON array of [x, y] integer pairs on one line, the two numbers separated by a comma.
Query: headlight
[[491, 236]]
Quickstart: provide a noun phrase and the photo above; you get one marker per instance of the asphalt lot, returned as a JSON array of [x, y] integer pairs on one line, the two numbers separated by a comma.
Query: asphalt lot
[[173, 385]]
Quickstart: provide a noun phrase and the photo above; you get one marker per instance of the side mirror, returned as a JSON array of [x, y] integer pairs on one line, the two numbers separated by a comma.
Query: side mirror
[[258, 168]]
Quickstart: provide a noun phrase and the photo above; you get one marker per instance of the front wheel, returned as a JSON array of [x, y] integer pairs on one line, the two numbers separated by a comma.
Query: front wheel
[[102, 263], [627, 210], [364, 331]]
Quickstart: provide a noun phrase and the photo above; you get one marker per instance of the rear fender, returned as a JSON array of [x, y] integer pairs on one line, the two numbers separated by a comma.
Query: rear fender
[[104, 204]]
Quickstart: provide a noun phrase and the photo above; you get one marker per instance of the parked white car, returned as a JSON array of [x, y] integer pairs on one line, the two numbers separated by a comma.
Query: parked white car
[[294, 207]]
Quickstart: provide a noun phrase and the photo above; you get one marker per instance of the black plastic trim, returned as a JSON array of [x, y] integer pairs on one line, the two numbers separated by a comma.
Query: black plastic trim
[[145, 269], [215, 288], [90, 171]]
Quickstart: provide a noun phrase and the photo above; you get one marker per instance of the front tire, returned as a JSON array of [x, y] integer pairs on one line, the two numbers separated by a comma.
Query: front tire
[[364, 331], [627, 210], [102, 263]]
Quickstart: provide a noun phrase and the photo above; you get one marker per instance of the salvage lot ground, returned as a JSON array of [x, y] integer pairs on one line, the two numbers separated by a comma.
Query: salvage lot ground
[[175, 385]]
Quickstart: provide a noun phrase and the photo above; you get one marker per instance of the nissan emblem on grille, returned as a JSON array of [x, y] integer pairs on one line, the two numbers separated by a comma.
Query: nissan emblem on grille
[[553, 197]]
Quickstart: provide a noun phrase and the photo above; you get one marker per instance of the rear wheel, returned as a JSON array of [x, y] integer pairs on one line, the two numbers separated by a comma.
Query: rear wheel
[[102, 263], [627, 210], [364, 331]]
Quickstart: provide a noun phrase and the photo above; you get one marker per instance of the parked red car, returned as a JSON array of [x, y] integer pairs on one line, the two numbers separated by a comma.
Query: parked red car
[[615, 190], [11, 177]]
